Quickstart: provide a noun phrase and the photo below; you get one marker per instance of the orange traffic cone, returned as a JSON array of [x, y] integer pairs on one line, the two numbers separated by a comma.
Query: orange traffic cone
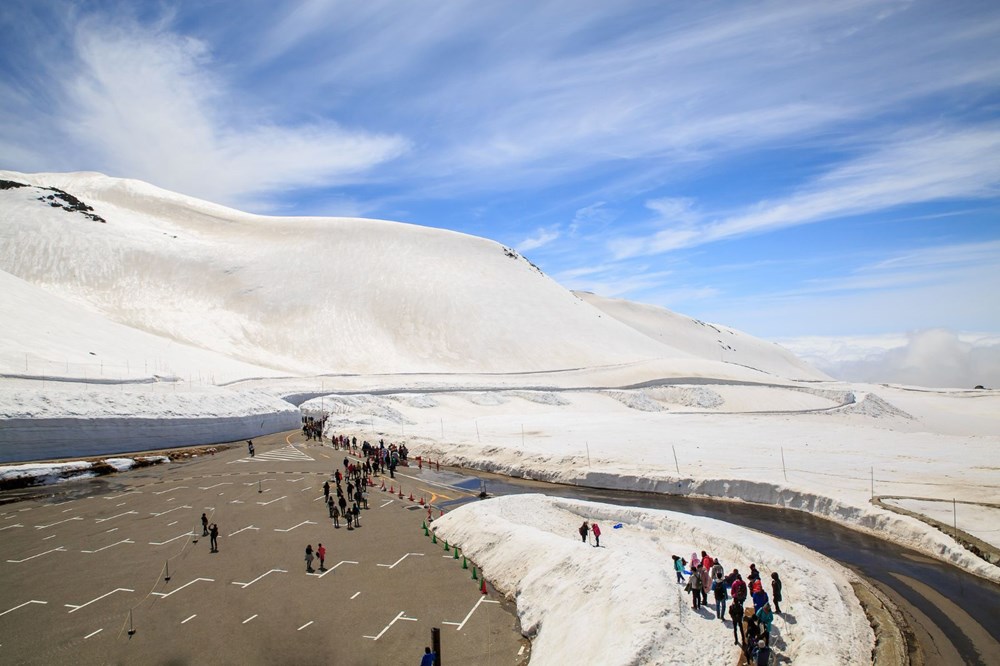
[[421, 500], [392, 490], [383, 484], [411, 496], [482, 588]]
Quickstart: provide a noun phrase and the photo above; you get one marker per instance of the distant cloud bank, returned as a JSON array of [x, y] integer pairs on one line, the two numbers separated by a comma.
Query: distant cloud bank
[[937, 358]]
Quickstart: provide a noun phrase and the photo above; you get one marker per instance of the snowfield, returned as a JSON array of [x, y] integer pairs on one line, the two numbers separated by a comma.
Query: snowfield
[[171, 321]]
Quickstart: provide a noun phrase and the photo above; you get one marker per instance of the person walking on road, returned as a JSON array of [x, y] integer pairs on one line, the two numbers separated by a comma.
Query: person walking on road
[[584, 531], [326, 490], [309, 558], [204, 525], [250, 447], [335, 514], [429, 657], [213, 532], [321, 554], [596, 529]]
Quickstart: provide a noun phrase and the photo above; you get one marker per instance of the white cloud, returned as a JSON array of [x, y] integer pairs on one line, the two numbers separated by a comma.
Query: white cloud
[[934, 358], [540, 238], [145, 103], [910, 168]]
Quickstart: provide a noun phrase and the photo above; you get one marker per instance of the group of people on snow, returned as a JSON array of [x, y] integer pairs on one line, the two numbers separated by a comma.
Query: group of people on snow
[[751, 625]]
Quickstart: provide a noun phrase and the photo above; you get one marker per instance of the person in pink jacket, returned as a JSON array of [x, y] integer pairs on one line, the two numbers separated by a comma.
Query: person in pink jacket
[[597, 535]]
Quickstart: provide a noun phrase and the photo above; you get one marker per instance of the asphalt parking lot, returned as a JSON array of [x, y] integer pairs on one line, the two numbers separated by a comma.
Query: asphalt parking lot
[[116, 570]]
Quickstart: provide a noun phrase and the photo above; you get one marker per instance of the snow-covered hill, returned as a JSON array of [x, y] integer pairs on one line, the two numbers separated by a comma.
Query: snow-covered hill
[[313, 295]]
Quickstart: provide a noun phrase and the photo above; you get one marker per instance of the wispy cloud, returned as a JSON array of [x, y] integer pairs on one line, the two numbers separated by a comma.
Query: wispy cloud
[[911, 168], [540, 238]]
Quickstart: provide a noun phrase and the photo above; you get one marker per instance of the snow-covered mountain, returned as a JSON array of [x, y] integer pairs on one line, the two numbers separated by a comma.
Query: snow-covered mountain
[[100, 267]]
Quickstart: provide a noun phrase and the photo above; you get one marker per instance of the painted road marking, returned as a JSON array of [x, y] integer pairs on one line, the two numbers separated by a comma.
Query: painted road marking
[[355, 596], [237, 502], [461, 624], [54, 550], [393, 565], [272, 501], [42, 527], [167, 594], [320, 575], [385, 504], [104, 520], [246, 585], [181, 536], [243, 529], [173, 523], [113, 529], [190, 618], [93, 633], [304, 522], [10, 526], [169, 490], [305, 625], [33, 601], [51, 536], [114, 497], [224, 483], [401, 616], [76, 608], [163, 513], [296, 480], [106, 547], [60, 503], [249, 618]]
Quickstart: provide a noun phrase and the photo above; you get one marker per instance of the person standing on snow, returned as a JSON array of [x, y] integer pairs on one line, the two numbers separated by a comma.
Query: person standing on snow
[[738, 589], [776, 592], [719, 592], [678, 568], [694, 587], [596, 529], [584, 531], [736, 615], [706, 583], [766, 617]]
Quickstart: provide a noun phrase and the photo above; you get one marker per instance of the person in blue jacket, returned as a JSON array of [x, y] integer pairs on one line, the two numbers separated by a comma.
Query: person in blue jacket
[[428, 658]]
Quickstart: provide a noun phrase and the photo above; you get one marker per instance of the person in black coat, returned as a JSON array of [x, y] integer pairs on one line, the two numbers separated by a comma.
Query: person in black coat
[[776, 592]]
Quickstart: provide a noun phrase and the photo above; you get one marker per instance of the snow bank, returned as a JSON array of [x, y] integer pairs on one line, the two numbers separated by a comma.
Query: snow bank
[[565, 589], [87, 420]]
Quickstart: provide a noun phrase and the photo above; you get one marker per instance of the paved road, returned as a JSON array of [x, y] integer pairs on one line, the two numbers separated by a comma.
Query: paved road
[[952, 615], [78, 558]]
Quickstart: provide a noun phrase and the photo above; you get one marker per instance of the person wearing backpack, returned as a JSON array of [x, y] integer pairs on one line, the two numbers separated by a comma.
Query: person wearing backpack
[[739, 590], [719, 591], [776, 592]]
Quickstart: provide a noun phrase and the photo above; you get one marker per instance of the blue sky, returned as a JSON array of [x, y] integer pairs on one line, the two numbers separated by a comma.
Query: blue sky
[[786, 168]]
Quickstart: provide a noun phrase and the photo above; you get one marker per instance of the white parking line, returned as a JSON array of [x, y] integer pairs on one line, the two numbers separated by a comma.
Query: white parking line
[[51, 536], [462, 623], [304, 522], [10, 526], [320, 575], [169, 490], [190, 618], [355, 595], [249, 618], [76, 608], [224, 483], [180, 536], [305, 625], [401, 616], [272, 501], [33, 601], [246, 585], [163, 513], [106, 547], [60, 549], [243, 529], [393, 565], [42, 527], [104, 520], [167, 594], [93, 633]]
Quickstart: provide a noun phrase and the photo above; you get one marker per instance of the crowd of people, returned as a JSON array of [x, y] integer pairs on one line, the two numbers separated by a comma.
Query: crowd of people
[[750, 607]]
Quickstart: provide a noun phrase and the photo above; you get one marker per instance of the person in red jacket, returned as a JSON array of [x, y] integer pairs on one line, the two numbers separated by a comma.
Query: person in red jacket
[[321, 554], [595, 528]]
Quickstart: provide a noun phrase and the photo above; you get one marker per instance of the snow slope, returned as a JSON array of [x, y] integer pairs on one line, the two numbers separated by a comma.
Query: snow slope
[[305, 295]]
